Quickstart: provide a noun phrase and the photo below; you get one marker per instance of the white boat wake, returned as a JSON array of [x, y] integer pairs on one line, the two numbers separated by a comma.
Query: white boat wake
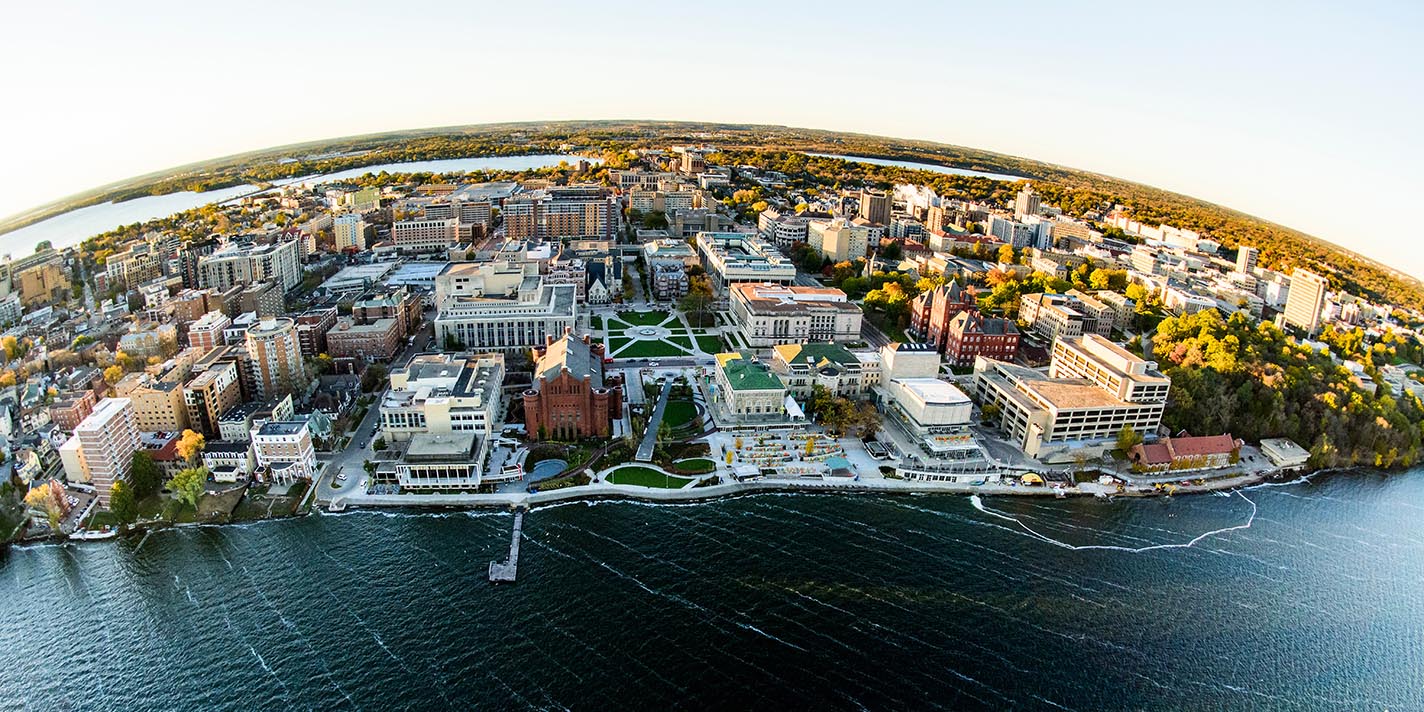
[[979, 505]]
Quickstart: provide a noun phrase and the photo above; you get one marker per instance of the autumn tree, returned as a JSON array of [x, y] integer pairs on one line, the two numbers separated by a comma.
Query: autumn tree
[[113, 374], [190, 445], [122, 502], [48, 498]]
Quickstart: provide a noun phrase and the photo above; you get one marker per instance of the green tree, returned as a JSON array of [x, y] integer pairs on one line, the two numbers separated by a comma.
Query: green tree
[[145, 477], [187, 485], [122, 502], [1127, 438], [374, 378]]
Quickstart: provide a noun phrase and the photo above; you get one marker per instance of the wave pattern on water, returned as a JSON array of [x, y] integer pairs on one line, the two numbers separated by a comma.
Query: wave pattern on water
[[761, 602]]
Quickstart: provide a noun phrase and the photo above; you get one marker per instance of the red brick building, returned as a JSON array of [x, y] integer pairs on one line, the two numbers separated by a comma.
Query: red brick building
[[570, 398], [401, 305], [66, 414], [931, 312], [972, 334], [376, 341]]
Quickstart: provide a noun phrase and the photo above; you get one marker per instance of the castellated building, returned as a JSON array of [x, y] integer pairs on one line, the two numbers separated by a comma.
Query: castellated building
[[570, 398]]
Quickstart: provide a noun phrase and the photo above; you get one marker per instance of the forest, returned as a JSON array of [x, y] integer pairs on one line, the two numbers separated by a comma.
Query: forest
[[1235, 376]]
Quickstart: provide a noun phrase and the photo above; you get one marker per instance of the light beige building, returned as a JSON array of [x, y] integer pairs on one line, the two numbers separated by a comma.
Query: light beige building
[[412, 236], [770, 314], [1305, 300], [440, 394], [159, 407], [1092, 390], [837, 239], [106, 442]]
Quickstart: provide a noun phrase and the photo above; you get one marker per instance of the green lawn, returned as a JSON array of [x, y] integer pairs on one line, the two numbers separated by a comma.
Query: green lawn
[[615, 343], [679, 412], [648, 349], [646, 477], [698, 465], [595, 322], [709, 343], [614, 325], [650, 318], [682, 341]]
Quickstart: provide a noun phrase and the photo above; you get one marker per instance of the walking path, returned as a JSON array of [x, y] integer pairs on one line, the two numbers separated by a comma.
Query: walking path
[[650, 437]]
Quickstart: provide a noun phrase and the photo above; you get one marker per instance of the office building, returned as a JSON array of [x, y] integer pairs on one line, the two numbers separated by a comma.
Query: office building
[[802, 367], [539, 310], [1305, 300], [442, 394], [1092, 390], [970, 335], [424, 235], [733, 258], [838, 240]]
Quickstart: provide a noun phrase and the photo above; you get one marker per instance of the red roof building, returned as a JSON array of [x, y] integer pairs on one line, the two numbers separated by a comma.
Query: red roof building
[[1207, 452]]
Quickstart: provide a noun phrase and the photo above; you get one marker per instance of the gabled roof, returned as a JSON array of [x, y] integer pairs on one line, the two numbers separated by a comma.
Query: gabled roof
[[573, 355]]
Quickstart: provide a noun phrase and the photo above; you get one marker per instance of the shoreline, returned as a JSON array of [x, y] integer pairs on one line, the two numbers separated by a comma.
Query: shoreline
[[603, 492]]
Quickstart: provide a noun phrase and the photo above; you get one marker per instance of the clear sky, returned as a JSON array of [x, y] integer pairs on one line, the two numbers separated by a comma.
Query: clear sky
[[1304, 113]]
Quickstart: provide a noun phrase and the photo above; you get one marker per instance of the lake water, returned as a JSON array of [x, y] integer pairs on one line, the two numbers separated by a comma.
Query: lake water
[[1298, 597], [922, 166], [76, 226]]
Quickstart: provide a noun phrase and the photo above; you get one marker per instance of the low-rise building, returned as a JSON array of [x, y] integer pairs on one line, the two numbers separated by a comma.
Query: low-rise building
[[733, 258], [747, 390], [379, 340], [971, 335], [539, 311], [284, 449], [1209, 452], [802, 367]]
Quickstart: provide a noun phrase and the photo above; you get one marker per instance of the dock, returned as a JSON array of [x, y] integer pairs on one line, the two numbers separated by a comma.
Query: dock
[[504, 571]]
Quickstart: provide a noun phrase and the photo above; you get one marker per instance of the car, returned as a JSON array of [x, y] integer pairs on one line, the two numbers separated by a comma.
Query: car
[[363, 444], [341, 477], [653, 364]]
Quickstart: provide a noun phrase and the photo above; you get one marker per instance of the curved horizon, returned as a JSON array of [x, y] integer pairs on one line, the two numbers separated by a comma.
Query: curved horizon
[[56, 208]]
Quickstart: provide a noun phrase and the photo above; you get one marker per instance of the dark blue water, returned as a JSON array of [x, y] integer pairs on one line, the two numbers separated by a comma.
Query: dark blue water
[[769, 602]]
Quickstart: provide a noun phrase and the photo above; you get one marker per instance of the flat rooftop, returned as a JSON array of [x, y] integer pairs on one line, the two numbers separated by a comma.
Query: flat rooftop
[[429, 447], [934, 391]]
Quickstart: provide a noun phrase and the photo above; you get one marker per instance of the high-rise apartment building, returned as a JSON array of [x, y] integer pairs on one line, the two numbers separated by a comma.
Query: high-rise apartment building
[[1246, 257], [1305, 300], [276, 354], [1027, 202], [207, 332], [105, 443], [350, 232], [875, 207]]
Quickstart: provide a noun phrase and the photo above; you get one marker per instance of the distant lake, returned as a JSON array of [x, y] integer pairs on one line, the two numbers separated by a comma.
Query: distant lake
[[75, 226], [922, 167]]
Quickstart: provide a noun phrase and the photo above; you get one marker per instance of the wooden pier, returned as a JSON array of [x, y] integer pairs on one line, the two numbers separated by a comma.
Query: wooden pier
[[504, 571]]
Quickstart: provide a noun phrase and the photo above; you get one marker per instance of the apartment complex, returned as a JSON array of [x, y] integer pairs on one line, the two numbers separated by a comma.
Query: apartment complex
[[562, 212], [770, 314], [210, 394], [207, 332], [159, 407], [350, 232], [377, 340], [838, 240], [1305, 300], [242, 263], [276, 355], [284, 448]]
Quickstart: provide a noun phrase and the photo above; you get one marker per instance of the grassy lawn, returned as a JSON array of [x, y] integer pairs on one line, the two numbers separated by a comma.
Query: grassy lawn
[[595, 322], [645, 477], [615, 325], [679, 412], [700, 465], [649, 349], [709, 343], [649, 318], [682, 341], [615, 343]]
